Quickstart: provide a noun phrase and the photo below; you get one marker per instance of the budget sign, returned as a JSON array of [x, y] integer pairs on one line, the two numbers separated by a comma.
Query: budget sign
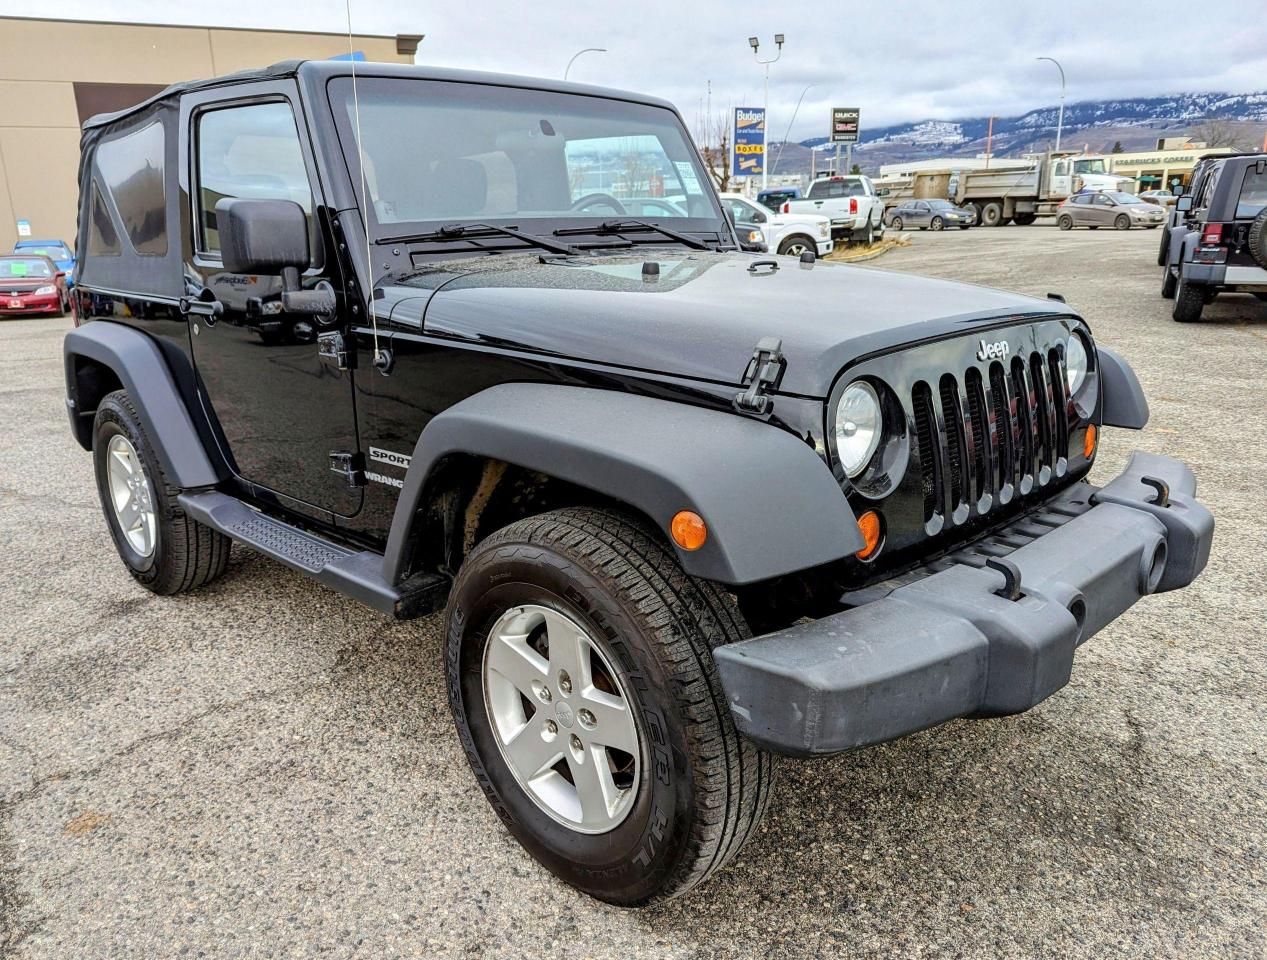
[[749, 159]]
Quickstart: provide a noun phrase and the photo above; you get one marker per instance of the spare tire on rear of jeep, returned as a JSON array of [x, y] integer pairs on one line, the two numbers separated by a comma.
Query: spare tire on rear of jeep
[[1258, 238]]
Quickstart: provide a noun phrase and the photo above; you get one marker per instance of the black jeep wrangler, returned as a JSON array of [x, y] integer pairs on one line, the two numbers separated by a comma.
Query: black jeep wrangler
[[445, 340], [1218, 243]]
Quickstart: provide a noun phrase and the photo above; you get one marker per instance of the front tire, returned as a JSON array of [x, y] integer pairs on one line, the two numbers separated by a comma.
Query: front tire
[[896, 223], [938, 223], [796, 245], [1189, 302], [686, 791], [165, 550], [1122, 222]]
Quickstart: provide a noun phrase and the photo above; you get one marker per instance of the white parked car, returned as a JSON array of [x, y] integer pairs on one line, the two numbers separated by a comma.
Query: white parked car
[[851, 203], [787, 233]]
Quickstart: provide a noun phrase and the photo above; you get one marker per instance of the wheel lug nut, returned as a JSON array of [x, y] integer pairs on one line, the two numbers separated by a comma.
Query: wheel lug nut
[[565, 683], [552, 727], [576, 743], [586, 718]]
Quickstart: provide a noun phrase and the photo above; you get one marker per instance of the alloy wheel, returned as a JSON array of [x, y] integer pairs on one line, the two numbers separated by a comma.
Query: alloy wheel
[[131, 495], [561, 717]]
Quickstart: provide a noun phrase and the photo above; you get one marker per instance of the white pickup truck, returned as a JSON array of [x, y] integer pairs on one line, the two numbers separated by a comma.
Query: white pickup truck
[[850, 202]]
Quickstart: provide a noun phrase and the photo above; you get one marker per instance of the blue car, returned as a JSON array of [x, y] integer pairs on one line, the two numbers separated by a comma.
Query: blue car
[[56, 250]]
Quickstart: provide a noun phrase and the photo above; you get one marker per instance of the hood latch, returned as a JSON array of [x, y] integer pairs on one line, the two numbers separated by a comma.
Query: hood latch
[[762, 376]]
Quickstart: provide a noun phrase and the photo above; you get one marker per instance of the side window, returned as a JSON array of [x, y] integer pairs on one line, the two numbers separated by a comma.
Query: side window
[[249, 151], [738, 210], [132, 169], [1102, 201]]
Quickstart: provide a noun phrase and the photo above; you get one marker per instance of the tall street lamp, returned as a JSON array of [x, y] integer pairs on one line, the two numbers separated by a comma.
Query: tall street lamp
[[577, 54], [1060, 120], [787, 133], [765, 157]]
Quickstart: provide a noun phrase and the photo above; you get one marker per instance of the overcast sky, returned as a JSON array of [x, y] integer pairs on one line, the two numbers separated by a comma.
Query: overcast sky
[[899, 60]]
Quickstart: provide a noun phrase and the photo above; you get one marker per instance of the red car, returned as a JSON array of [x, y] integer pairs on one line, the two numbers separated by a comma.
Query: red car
[[32, 285]]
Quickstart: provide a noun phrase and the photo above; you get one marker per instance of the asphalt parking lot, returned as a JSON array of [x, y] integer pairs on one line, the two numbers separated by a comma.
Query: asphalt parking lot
[[266, 769]]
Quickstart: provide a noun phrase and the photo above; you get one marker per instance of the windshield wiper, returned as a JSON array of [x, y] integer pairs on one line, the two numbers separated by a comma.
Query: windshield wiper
[[636, 226], [473, 231]]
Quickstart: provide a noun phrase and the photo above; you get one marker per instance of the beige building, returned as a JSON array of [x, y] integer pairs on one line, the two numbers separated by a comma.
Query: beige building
[[56, 73], [1168, 166]]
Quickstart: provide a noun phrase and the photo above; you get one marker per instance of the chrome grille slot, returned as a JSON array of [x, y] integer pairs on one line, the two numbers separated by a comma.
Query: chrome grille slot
[[980, 441], [953, 432], [1004, 437], [1043, 415], [1022, 408], [922, 405], [1060, 387]]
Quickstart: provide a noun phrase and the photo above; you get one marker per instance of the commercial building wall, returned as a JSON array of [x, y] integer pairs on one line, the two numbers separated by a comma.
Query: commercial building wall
[[54, 73]]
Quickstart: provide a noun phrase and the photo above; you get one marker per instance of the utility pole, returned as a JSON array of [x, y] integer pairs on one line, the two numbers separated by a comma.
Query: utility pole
[[765, 111]]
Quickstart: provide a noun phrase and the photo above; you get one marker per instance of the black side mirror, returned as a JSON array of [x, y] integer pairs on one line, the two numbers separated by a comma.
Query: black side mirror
[[262, 236], [1183, 204]]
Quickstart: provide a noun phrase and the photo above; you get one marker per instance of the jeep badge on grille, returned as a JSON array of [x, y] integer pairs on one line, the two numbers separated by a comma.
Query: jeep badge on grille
[[993, 351]]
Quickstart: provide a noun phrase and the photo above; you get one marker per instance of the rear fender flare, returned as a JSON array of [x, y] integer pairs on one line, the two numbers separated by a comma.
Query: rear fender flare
[[140, 367], [771, 504]]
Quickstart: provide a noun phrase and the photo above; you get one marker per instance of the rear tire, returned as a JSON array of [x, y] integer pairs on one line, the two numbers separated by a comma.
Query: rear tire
[[865, 235], [1122, 222], [1065, 222], [165, 550], [1163, 248], [698, 788], [992, 214], [1025, 219], [1168, 283], [1189, 302]]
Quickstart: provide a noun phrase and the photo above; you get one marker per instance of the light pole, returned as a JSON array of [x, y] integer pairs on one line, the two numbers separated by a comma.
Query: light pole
[[788, 132], [577, 54], [765, 112], [1060, 119]]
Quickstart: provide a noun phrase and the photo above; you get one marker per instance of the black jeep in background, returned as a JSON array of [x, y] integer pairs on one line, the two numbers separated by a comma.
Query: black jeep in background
[[484, 344], [1218, 243]]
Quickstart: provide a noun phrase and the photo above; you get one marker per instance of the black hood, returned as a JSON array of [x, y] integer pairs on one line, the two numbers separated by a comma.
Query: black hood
[[701, 317]]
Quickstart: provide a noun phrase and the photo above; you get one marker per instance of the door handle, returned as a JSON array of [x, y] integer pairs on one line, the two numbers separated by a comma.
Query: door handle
[[210, 309]]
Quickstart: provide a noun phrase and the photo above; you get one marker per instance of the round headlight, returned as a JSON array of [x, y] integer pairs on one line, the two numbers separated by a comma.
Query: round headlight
[[1075, 362], [857, 427]]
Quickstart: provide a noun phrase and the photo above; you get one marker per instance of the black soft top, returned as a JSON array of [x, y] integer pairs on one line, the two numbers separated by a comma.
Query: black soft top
[[286, 68]]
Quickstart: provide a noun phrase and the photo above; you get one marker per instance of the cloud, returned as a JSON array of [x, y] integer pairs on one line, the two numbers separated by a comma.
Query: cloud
[[900, 60]]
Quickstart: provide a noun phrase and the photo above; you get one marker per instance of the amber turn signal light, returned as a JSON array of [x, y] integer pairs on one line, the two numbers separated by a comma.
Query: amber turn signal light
[[688, 530], [869, 527], [1088, 442]]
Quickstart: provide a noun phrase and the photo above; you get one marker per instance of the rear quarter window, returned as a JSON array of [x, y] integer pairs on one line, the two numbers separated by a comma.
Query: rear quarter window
[[1253, 196], [132, 168]]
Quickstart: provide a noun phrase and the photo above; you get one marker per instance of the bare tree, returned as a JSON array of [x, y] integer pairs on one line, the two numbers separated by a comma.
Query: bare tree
[[1218, 132], [712, 139]]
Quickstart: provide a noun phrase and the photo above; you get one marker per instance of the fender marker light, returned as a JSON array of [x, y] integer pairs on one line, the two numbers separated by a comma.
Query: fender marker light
[[869, 527], [1088, 442], [688, 529]]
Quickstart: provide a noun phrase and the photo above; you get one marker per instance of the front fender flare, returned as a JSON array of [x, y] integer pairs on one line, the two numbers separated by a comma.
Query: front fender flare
[[1124, 402], [771, 504], [136, 361]]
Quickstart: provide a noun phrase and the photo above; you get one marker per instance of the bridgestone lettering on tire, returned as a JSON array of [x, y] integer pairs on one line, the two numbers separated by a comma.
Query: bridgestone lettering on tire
[[700, 789], [184, 554]]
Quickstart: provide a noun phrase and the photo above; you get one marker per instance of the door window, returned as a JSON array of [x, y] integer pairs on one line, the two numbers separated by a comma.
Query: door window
[[250, 151]]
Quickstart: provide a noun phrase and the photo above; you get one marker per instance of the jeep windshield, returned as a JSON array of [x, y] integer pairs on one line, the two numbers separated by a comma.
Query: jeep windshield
[[440, 155]]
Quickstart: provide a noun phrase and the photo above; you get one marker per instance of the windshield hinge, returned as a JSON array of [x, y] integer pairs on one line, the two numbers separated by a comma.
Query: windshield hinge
[[351, 466], [332, 349], [762, 376]]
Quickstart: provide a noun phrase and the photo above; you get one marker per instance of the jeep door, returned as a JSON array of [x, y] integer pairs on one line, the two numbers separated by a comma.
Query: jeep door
[[280, 410]]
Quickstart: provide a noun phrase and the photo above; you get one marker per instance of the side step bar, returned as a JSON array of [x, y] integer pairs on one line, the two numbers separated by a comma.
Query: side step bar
[[356, 573]]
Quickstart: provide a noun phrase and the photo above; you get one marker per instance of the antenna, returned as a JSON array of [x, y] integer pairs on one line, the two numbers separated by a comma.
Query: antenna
[[381, 361]]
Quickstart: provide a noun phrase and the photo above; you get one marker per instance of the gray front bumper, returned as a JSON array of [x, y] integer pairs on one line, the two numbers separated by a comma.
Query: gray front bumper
[[949, 645]]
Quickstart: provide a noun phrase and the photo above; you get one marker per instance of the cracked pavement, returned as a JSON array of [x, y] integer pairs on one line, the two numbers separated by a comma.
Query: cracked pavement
[[265, 769]]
